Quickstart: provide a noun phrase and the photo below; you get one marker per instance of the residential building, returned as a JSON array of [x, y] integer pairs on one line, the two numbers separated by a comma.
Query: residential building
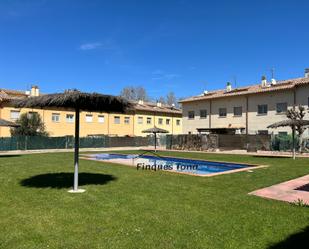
[[60, 122], [247, 110]]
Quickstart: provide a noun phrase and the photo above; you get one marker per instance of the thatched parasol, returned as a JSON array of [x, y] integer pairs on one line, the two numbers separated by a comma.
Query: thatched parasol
[[291, 123], [78, 101], [155, 130], [6, 123]]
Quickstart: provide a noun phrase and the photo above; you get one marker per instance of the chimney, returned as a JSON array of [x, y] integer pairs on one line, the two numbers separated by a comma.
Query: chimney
[[34, 92], [307, 73], [273, 82], [264, 81], [228, 86], [159, 104], [140, 102]]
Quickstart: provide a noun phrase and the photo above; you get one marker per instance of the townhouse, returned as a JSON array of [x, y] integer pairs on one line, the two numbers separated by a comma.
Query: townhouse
[[60, 122], [245, 110]]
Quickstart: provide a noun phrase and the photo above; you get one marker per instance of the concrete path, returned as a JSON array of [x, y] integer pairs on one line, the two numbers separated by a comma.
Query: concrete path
[[231, 152], [289, 191], [260, 153], [21, 152]]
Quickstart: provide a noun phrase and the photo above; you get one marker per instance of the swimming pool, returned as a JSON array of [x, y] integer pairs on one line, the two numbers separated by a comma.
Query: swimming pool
[[174, 164]]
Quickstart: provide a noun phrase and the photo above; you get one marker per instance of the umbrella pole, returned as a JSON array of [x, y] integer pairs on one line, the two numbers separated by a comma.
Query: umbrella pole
[[293, 138], [76, 155], [155, 136]]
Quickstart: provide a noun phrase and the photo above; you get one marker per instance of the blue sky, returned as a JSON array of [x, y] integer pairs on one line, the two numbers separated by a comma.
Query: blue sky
[[184, 46]]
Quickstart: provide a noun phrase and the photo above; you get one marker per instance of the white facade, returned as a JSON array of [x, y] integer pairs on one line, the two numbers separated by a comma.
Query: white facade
[[251, 121]]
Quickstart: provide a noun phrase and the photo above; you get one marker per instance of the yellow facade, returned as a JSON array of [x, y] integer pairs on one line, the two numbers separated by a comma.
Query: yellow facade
[[60, 122], [146, 120]]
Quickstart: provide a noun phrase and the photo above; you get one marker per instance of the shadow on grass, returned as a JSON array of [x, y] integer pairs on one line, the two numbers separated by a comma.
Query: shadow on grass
[[273, 156], [65, 180], [297, 240], [4, 156]]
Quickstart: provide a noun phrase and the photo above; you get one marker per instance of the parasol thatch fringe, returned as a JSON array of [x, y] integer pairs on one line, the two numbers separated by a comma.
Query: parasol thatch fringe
[[155, 130], [289, 122], [75, 99]]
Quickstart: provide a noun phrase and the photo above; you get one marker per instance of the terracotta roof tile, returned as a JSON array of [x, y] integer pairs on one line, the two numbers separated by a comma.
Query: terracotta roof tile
[[253, 89], [6, 94], [149, 106]]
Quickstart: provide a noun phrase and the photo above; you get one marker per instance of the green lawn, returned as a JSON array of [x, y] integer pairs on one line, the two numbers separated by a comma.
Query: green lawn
[[126, 208]]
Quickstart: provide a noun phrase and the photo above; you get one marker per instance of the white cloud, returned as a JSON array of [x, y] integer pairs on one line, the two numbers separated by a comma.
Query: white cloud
[[90, 46]]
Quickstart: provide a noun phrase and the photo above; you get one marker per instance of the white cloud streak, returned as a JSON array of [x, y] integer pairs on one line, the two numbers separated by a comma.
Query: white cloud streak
[[90, 46]]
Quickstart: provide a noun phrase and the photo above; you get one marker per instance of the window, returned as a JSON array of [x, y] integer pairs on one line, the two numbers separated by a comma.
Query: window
[[282, 108], [203, 113], [222, 112], [30, 114], [148, 120], [55, 117], [140, 120], [168, 121], [101, 119], [238, 111], [191, 114], [127, 120], [69, 118], [160, 121], [262, 109], [116, 120], [15, 115], [89, 118], [178, 122]]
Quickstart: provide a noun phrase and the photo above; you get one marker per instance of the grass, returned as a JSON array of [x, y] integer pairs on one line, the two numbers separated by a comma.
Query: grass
[[126, 208]]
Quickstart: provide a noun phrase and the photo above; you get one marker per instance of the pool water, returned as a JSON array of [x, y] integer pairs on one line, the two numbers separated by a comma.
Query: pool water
[[155, 163]]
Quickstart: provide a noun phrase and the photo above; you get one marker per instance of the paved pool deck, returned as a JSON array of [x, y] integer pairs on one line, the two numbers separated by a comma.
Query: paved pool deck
[[286, 191], [160, 148]]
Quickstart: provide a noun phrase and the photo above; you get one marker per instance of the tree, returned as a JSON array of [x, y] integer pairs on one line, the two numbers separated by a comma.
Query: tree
[[134, 93], [31, 124], [171, 99], [141, 94], [161, 100], [298, 114], [128, 93]]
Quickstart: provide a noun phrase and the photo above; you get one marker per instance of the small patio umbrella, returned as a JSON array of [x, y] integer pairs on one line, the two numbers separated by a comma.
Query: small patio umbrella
[[291, 123], [73, 99], [6, 123], [155, 130]]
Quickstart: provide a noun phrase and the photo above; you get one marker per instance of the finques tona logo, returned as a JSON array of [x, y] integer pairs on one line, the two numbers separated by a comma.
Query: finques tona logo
[[155, 162]]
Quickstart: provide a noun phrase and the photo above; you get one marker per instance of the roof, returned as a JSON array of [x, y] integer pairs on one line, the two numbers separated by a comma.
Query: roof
[[253, 89], [6, 94], [153, 107]]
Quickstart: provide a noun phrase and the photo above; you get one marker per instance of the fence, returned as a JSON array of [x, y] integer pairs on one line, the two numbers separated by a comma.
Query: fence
[[67, 142], [284, 142], [218, 141]]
